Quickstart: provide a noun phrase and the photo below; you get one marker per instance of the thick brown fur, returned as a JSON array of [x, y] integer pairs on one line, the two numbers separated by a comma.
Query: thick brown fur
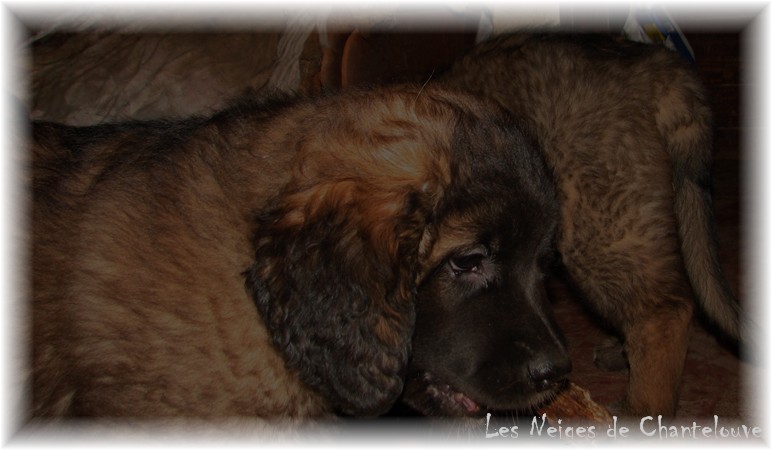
[[264, 261], [626, 129]]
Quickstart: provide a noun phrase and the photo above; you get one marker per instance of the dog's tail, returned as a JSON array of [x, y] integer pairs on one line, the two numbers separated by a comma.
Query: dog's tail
[[684, 120]]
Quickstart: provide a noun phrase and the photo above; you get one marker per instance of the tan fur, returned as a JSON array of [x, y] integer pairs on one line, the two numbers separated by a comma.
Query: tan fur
[[105, 237], [626, 130], [141, 242]]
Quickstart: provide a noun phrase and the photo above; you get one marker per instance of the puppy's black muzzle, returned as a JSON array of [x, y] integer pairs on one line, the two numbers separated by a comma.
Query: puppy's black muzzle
[[500, 351]]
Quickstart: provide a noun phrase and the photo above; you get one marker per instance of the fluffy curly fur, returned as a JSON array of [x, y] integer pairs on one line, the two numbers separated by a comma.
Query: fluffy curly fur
[[262, 262]]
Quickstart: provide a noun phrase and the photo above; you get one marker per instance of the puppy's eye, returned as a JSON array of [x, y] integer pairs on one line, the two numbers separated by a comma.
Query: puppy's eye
[[466, 263]]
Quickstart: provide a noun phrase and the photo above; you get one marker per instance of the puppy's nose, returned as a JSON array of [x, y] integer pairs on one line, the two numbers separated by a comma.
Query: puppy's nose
[[547, 371]]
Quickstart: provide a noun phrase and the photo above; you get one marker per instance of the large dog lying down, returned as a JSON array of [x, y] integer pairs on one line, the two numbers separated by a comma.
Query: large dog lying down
[[267, 261], [626, 130]]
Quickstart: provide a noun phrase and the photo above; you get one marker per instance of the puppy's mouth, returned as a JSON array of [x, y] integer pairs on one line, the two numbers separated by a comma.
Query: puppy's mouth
[[434, 397], [431, 396]]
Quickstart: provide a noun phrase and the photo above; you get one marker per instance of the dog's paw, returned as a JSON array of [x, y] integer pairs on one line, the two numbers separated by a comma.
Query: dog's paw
[[610, 355]]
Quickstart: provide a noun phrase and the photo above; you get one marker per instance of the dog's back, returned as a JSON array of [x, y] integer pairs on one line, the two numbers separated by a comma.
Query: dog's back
[[138, 243]]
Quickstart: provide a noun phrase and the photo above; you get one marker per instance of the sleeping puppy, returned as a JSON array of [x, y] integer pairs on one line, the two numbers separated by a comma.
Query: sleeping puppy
[[267, 261], [626, 131]]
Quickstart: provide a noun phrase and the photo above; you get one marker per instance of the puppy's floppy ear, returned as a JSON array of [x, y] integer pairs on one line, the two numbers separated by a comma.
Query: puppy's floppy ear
[[335, 262]]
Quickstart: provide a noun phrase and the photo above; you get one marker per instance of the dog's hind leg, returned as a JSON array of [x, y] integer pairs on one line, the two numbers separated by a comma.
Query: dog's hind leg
[[656, 345], [652, 311], [633, 276]]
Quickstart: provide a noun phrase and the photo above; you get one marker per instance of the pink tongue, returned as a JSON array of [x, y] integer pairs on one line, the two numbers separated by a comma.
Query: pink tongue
[[466, 402]]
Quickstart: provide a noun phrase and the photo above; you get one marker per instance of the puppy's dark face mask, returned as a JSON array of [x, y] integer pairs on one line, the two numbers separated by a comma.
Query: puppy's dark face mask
[[485, 339]]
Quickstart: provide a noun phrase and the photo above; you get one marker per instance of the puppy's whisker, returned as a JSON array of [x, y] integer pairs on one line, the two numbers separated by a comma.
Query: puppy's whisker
[[431, 75]]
